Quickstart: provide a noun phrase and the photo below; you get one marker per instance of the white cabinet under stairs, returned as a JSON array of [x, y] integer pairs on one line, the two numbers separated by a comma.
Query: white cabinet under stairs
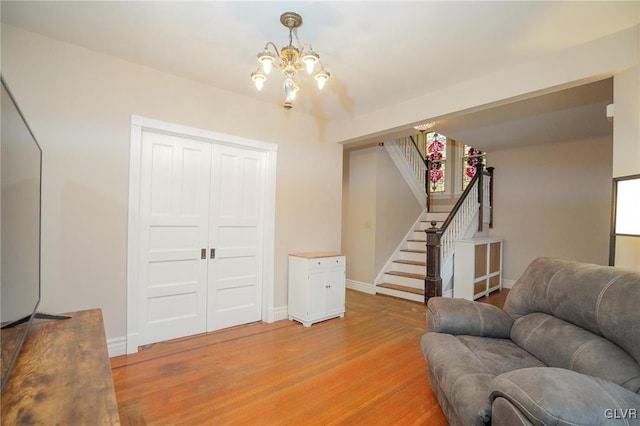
[[403, 276]]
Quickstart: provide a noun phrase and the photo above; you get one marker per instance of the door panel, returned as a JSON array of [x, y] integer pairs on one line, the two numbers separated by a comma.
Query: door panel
[[236, 229], [174, 205]]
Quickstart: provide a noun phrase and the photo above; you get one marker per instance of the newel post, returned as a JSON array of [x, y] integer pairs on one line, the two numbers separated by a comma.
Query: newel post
[[433, 281]]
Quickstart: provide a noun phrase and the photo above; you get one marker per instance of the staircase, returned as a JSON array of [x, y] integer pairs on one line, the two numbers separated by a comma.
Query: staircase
[[406, 274], [403, 275]]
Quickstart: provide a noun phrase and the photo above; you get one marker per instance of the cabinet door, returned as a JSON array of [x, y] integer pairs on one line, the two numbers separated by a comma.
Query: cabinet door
[[317, 294], [335, 290]]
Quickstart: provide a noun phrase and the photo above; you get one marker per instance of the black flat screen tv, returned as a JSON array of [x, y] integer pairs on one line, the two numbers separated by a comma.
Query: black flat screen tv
[[20, 213]]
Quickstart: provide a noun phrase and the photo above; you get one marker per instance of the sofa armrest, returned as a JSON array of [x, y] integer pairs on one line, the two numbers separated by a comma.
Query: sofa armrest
[[461, 316], [557, 396]]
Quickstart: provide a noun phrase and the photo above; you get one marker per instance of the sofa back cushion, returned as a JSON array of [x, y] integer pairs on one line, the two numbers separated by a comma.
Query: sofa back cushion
[[561, 344], [601, 299]]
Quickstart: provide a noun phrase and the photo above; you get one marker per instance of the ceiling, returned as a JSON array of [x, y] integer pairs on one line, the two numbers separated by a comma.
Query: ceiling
[[378, 53]]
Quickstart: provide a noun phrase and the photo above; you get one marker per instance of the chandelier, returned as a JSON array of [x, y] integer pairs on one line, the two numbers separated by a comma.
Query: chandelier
[[290, 59], [422, 128]]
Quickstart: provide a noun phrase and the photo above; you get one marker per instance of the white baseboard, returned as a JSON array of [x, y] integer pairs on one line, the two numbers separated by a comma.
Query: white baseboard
[[508, 283], [360, 286], [276, 314], [280, 313], [117, 346]]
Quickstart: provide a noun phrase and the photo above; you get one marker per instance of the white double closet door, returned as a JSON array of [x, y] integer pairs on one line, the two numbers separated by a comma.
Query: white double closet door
[[201, 236]]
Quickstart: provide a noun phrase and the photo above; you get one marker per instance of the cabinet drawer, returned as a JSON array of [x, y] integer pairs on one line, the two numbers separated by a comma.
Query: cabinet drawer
[[326, 262]]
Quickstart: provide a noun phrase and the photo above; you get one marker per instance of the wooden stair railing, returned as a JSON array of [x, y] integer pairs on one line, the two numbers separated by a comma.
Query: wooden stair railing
[[477, 195]]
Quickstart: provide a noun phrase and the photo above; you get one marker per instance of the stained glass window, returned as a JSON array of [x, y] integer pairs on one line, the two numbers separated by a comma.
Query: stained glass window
[[472, 156], [437, 151]]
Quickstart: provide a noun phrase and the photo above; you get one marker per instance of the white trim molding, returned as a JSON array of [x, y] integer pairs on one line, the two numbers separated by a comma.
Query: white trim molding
[[280, 313], [117, 346], [361, 286], [508, 283]]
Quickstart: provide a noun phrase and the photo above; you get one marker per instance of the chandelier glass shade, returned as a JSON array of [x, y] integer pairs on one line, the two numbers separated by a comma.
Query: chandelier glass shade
[[290, 59], [423, 127]]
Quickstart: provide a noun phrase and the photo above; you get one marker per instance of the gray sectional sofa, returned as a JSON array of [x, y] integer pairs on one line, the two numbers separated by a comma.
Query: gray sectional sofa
[[565, 350]]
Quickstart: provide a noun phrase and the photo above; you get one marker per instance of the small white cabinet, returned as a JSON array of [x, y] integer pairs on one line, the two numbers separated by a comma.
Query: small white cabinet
[[477, 267], [316, 287]]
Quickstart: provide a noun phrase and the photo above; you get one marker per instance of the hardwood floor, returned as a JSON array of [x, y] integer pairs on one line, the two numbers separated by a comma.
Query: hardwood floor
[[365, 368], [497, 298]]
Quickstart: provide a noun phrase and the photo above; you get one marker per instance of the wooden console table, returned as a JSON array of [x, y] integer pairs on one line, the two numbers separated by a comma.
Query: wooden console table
[[63, 375]]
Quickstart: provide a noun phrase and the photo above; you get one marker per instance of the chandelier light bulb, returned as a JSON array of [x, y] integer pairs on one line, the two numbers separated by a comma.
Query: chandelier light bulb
[[266, 59], [259, 79], [310, 60], [321, 78]]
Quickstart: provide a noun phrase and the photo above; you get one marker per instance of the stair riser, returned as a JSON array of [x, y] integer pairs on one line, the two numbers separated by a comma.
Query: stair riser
[[438, 217], [416, 245], [416, 257], [400, 294], [412, 269], [426, 225], [409, 282], [418, 235]]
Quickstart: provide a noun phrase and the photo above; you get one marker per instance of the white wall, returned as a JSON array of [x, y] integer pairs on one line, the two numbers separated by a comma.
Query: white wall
[[79, 104], [553, 200], [567, 68], [359, 208], [626, 147], [396, 208], [378, 210]]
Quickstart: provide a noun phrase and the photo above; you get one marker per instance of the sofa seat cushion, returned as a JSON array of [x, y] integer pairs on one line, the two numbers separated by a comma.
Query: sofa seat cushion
[[464, 367], [561, 344]]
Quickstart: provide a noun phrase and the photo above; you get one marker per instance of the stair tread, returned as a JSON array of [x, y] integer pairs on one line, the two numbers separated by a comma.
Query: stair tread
[[402, 288], [417, 241], [410, 262], [406, 275], [413, 251]]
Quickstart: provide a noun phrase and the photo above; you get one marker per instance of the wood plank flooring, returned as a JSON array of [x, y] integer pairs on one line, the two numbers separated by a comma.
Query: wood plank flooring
[[365, 368]]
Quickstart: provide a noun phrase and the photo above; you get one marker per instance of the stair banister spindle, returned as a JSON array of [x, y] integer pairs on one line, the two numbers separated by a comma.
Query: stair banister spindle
[[422, 162], [426, 183], [490, 171], [480, 175]]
